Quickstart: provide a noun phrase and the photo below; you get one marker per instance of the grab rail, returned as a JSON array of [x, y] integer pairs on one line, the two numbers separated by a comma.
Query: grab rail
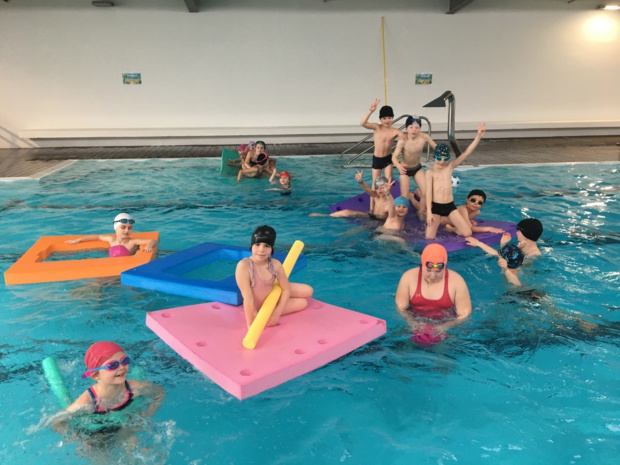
[[355, 157]]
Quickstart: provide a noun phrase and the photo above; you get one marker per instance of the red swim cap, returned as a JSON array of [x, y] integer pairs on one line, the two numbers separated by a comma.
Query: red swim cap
[[98, 353], [284, 174]]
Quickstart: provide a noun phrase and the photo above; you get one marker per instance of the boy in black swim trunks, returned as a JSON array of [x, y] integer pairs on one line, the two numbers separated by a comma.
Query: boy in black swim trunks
[[384, 135], [439, 198], [411, 151]]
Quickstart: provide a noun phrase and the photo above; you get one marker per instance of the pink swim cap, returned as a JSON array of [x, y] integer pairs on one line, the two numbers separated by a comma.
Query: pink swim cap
[[98, 353]]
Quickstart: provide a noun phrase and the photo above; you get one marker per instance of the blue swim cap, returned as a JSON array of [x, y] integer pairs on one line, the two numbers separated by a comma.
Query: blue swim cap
[[442, 150], [413, 119], [513, 255], [401, 201]]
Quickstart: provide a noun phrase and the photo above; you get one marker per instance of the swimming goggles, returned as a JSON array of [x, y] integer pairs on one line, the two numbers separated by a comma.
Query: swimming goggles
[[436, 266], [442, 158], [479, 202], [126, 221], [110, 366]]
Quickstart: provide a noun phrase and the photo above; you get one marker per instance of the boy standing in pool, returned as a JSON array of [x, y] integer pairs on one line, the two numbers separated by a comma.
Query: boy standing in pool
[[439, 197], [384, 135], [411, 151]]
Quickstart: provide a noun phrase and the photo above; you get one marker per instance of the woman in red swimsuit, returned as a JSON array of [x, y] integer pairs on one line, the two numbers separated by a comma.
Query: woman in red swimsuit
[[431, 298]]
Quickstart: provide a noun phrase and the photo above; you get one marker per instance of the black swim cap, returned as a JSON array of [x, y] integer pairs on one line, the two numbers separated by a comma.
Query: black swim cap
[[412, 119], [513, 255], [264, 235], [386, 110], [531, 228], [479, 193]]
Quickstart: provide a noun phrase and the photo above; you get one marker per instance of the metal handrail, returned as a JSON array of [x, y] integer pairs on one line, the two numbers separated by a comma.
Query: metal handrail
[[355, 157]]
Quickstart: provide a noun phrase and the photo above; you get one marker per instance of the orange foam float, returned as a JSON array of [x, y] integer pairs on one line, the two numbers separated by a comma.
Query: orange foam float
[[32, 267]]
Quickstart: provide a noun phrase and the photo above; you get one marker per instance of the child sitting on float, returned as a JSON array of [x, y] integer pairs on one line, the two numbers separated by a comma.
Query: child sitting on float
[[122, 244], [257, 274]]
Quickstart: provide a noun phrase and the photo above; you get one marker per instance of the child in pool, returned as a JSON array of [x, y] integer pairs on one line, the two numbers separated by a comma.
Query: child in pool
[[394, 225], [284, 182], [411, 151], [475, 201], [107, 364], [529, 231], [510, 258], [256, 276], [382, 197], [242, 151], [438, 195], [255, 162], [121, 245]]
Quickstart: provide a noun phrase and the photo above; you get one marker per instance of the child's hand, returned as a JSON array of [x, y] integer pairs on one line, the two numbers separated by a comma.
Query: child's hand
[[390, 183], [481, 129], [495, 230], [374, 105], [273, 319], [358, 176], [503, 264], [472, 241], [402, 169]]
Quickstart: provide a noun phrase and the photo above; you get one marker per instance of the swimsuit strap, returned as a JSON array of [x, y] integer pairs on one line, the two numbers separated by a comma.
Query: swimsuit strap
[[270, 267], [99, 409]]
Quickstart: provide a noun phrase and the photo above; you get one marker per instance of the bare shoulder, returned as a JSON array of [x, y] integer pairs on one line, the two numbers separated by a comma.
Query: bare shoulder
[[243, 264], [457, 279]]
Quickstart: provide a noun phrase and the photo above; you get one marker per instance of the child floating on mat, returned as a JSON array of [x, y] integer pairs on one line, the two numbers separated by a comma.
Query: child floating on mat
[[108, 364], [256, 276], [510, 258], [439, 197], [284, 184], [411, 151], [382, 197], [256, 161], [121, 245], [394, 225], [242, 151], [475, 200]]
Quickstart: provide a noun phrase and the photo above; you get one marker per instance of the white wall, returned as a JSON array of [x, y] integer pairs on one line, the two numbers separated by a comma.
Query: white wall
[[296, 67]]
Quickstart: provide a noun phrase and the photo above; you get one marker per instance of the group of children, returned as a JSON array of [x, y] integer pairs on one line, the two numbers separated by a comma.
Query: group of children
[[254, 161], [107, 363]]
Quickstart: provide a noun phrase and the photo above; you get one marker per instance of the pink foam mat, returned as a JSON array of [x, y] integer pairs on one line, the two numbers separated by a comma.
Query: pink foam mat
[[210, 336]]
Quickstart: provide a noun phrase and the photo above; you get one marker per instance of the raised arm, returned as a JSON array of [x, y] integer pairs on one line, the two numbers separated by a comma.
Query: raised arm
[[366, 187], [364, 122], [472, 146]]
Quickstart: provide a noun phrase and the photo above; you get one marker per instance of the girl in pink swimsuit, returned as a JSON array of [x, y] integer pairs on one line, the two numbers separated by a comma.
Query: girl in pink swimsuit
[[257, 274], [121, 244]]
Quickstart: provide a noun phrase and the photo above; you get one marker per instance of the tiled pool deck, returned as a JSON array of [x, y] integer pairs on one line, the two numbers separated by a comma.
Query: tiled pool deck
[[34, 163]]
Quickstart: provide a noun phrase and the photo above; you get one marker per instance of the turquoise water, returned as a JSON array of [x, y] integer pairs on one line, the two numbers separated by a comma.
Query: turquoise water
[[530, 378]]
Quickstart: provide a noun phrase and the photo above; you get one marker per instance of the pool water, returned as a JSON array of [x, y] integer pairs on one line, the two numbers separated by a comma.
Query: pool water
[[532, 377]]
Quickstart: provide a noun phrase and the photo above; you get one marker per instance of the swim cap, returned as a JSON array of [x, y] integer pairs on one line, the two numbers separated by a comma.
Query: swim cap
[[242, 147], [531, 228], [284, 174], [251, 144], [386, 110], [262, 157], [381, 181], [401, 201], [98, 353], [479, 193], [442, 150], [435, 253], [120, 216], [513, 255], [264, 235], [262, 143], [413, 119]]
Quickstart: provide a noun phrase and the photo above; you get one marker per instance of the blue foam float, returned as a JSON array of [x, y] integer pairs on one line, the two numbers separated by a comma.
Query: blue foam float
[[169, 274]]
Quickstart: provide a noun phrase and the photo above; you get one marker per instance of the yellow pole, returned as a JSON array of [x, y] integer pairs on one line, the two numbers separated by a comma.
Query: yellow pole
[[384, 67]]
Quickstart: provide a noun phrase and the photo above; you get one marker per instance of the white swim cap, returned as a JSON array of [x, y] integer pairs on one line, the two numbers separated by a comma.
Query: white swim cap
[[122, 216]]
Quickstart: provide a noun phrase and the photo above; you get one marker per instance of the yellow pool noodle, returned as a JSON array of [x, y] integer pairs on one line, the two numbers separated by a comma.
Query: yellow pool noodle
[[259, 323]]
